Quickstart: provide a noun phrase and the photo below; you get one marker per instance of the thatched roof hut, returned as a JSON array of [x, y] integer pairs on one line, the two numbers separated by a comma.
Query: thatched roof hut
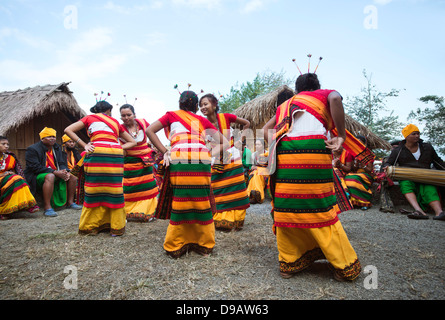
[[24, 113], [261, 109]]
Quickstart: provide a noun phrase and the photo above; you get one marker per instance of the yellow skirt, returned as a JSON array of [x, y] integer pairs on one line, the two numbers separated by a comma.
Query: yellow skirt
[[15, 200], [95, 220], [298, 248], [189, 237], [257, 183], [229, 220], [142, 211]]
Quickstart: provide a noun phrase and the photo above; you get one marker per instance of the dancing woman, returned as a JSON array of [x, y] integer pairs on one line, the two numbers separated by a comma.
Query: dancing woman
[[359, 181], [185, 196], [304, 204], [228, 183], [103, 207], [140, 189]]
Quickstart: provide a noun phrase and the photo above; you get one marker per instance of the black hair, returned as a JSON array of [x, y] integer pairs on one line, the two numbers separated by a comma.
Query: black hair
[[3, 138], [188, 101], [362, 139], [307, 82], [212, 100], [101, 106], [127, 106]]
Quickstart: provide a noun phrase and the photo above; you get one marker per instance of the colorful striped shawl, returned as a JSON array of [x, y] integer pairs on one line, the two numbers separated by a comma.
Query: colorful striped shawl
[[317, 105], [141, 150], [224, 127], [189, 120], [50, 162], [113, 124]]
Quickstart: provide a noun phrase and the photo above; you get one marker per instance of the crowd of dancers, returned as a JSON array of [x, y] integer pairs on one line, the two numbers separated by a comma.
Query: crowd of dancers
[[207, 177]]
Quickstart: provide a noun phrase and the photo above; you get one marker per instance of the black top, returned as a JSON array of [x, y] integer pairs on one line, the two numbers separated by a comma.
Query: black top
[[35, 157], [405, 158]]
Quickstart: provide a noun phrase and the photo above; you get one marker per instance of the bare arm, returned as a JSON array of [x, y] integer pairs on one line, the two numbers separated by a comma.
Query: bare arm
[[130, 142], [338, 115], [71, 132], [244, 122], [269, 126], [153, 137]]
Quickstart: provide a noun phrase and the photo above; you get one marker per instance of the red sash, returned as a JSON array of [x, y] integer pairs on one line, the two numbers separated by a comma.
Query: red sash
[[109, 121], [224, 127], [50, 162], [190, 121]]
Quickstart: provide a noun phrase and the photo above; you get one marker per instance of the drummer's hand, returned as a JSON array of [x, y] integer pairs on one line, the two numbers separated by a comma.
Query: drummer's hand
[[335, 144]]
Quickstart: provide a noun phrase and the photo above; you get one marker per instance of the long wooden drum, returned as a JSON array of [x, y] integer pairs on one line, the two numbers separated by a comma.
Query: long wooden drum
[[425, 176]]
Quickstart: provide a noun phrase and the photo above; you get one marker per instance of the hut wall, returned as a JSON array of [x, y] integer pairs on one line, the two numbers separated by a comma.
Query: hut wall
[[28, 133]]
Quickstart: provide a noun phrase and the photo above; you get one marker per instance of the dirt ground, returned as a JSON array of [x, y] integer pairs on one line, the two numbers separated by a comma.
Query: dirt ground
[[402, 259]]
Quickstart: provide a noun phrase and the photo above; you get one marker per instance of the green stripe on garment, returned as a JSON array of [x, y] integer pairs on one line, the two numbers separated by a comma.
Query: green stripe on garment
[[140, 187], [232, 204], [317, 144], [199, 216], [191, 193], [305, 174], [6, 193], [185, 167], [219, 176], [305, 203]]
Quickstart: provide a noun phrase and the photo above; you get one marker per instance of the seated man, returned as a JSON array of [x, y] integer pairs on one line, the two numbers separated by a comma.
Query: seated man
[[70, 151], [414, 153], [46, 170]]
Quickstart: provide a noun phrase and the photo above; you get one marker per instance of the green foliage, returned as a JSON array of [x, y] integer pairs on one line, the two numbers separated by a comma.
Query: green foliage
[[370, 109], [433, 120], [241, 94]]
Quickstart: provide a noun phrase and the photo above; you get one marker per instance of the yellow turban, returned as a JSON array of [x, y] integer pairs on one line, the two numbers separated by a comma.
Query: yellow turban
[[65, 138], [409, 129], [47, 132]]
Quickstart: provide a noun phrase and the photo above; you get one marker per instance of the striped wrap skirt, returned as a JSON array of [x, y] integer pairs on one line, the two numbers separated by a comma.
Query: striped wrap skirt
[[305, 209], [186, 195], [140, 190], [103, 207], [231, 198]]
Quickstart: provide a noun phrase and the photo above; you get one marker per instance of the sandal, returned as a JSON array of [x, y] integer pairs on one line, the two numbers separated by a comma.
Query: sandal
[[33, 209], [418, 216], [441, 216], [404, 211], [286, 275]]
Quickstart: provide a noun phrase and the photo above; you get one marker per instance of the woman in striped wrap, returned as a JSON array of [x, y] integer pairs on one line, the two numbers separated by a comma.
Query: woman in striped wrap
[[228, 183], [304, 206], [103, 207], [185, 196], [359, 182], [259, 175], [140, 188], [14, 190]]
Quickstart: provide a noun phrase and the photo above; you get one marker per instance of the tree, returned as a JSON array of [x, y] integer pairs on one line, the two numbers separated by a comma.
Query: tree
[[433, 119], [241, 94], [369, 109]]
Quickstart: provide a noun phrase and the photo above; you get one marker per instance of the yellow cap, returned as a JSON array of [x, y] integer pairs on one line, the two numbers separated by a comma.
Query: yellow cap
[[409, 129], [65, 138], [47, 132]]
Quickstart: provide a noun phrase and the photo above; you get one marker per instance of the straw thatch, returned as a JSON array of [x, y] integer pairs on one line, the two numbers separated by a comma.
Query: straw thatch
[[24, 113], [261, 109], [18, 107]]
